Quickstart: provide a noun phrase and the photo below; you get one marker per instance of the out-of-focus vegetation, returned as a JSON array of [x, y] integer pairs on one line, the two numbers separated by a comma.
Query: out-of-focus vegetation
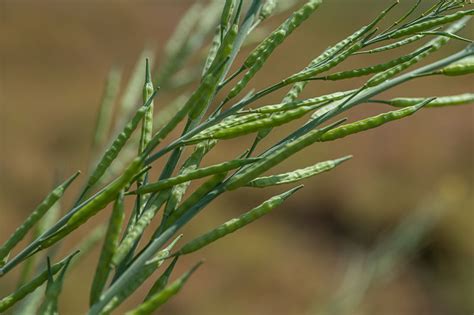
[[52, 77]]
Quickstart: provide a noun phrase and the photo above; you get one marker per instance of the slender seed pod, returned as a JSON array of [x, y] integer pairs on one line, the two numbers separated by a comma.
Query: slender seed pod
[[198, 173], [227, 13], [433, 45], [371, 122], [451, 100], [197, 195], [419, 27], [140, 276], [136, 231], [262, 52], [462, 67], [164, 295], [104, 117], [264, 123], [27, 288], [373, 69], [117, 145], [100, 201], [274, 157], [235, 223], [297, 175], [35, 216], [211, 55], [400, 43], [111, 242], [232, 121], [147, 124], [162, 281], [53, 289]]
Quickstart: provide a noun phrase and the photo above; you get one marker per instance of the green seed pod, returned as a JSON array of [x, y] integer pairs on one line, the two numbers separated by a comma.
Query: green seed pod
[[141, 276], [35, 216], [163, 296], [373, 69], [98, 203], [136, 231], [227, 13], [147, 124], [274, 157], [235, 223], [162, 281], [423, 26], [297, 175], [111, 242], [451, 100], [371, 122], [432, 46], [53, 289], [211, 55], [462, 67], [24, 290], [112, 152], [197, 195], [198, 173], [400, 43]]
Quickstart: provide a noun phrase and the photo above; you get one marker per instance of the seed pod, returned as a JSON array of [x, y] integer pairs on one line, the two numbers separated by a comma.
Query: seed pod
[[111, 242], [267, 9], [35, 216], [164, 295], [227, 13], [269, 122], [211, 55], [98, 203], [400, 43], [274, 157], [433, 45], [198, 173], [235, 223], [117, 145], [139, 277], [197, 195], [147, 124], [162, 281], [451, 100], [24, 290], [53, 289], [373, 69], [462, 67], [136, 231], [371, 122], [297, 175], [423, 26]]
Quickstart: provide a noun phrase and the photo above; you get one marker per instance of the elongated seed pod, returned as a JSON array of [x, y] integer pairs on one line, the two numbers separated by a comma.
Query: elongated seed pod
[[139, 277], [232, 121], [117, 145], [35, 216], [269, 122], [162, 281], [226, 15], [53, 289], [440, 101], [433, 45], [100, 201], [211, 55], [295, 104], [297, 175], [371, 122], [373, 69], [400, 43], [276, 156], [147, 124], [262, 52], [197, 195], [462, 67], [164, 295], [198, 173], [419, 27], [9, 300], [235, 223], [111, 242], [137, 230]]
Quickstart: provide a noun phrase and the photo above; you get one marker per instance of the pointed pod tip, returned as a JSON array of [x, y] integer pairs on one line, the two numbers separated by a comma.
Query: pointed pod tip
[[343, 159], [290, 192], [422, 104], [70, 179], [147, 71]]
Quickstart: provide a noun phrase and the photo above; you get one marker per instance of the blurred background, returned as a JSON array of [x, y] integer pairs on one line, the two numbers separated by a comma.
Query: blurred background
[[318, 249]]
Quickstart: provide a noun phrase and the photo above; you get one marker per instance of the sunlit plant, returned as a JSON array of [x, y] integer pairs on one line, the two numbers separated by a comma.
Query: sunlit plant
[[213, 113]]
